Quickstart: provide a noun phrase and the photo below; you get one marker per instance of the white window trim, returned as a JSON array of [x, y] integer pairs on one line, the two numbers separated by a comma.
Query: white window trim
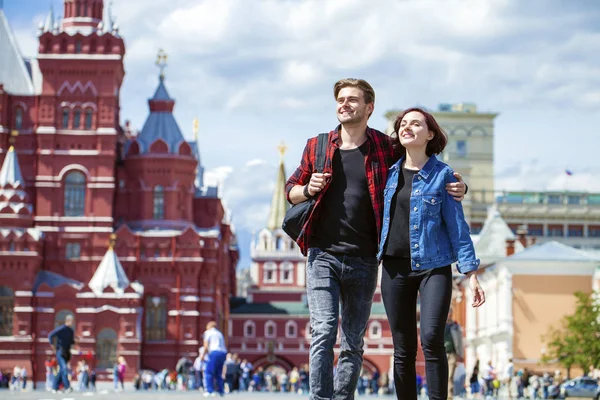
[[268, 324], [270, 266], [287, 328], [286, 266], [372, 325], [246, 325]]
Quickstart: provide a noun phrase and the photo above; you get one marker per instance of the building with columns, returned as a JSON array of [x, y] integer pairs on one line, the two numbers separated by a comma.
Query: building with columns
[[270, 327], [113, 227]]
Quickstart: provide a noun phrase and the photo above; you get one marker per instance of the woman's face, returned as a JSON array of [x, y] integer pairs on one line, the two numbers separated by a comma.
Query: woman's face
[[413, 132]]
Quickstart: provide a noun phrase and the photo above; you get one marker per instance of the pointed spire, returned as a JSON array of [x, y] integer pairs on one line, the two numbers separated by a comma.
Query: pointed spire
[[199, 181], [110, 273], [279, 204], [10, 174], [49, 23], [107, 18]]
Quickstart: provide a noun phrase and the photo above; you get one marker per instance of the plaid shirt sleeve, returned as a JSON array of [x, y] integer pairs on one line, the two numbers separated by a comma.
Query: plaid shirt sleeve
[[302, 174]]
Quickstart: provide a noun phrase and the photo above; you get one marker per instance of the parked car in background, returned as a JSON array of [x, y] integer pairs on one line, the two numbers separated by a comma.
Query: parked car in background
[[581, 387]]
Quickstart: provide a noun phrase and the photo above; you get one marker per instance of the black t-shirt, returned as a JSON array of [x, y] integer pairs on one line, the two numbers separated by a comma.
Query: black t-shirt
[[398, 238], [346, 220]]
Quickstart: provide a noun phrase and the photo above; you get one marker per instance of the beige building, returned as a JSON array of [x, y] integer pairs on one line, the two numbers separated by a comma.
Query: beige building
[[526, 294]]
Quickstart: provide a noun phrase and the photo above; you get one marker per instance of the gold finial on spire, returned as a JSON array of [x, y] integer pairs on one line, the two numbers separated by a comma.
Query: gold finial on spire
[[196, 128], [11, 149], [111, 241], [13, 136], [282, 149], [161, 62]]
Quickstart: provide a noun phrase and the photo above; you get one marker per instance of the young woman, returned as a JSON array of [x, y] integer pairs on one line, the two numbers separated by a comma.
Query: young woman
[[424, 231]]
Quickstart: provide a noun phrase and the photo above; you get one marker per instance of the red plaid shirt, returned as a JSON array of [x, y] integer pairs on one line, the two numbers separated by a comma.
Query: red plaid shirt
[[377, 162]]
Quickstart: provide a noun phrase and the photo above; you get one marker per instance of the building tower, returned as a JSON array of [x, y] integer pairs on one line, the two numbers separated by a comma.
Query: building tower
[[81, 61], [277, 264]]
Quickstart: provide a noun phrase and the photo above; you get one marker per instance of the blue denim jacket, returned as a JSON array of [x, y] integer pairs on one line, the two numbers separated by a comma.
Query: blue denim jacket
[[439, 234]]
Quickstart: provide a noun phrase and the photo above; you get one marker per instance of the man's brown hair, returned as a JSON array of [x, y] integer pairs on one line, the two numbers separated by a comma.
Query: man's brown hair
[[363, 85]]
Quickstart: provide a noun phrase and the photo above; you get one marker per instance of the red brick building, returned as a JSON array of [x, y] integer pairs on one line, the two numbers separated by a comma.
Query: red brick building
[[270, 327], [114, 228]]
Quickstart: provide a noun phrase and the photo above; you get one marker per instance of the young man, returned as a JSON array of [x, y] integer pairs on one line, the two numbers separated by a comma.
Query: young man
[[65, 338], [342, 234]]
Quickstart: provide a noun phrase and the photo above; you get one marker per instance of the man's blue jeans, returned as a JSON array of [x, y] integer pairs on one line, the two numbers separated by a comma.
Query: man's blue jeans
[[337, 282], [62, 372], [214, 371]]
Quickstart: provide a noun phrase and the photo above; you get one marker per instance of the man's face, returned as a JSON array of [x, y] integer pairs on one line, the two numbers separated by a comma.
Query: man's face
[[351, 106]]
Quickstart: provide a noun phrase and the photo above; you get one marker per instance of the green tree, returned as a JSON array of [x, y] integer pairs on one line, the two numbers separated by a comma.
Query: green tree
[[577, 341]]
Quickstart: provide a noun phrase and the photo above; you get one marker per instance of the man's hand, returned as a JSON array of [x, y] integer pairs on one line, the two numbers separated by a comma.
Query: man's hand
[[317, 182], [457, 189]]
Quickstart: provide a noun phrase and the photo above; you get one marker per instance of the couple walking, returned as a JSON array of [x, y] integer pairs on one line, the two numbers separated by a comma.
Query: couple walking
[[382, 199]]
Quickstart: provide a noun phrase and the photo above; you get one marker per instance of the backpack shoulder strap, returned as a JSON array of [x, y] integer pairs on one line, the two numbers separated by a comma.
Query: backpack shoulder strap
[[321, 151]]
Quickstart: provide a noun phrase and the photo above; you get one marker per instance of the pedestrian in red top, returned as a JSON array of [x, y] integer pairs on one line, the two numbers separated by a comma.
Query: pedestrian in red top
[[341, 235]]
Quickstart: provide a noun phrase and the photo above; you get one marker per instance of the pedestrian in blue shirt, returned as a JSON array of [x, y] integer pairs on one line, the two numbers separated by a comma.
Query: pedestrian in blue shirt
[[423, 232], [61, 339]]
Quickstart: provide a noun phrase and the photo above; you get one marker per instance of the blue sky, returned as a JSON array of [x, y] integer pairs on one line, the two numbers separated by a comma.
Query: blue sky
[[259, 72]]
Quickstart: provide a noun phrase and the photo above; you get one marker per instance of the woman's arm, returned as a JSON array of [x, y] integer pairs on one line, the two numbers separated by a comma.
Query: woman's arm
[[458, 229]]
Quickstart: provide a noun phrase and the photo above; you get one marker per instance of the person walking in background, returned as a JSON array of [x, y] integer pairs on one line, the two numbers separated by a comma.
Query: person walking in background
[[424, 231], [121, 368], [474, 380], [229, 369], [51, 366], [455, 352], [489, 374], [199, 364], [214, 345], [508, 378], [62, 339]]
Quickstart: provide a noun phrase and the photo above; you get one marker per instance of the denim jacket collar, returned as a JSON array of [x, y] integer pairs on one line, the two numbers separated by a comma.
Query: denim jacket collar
[[425, 171]]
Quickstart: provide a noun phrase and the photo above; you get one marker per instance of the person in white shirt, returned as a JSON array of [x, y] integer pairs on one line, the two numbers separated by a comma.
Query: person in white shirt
[[214, 345]]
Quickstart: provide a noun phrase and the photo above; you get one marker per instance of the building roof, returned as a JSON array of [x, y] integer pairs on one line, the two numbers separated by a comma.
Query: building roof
[[161, 123], [54, 280], [10, 174], [110, 273], [279, 204], [285, 308], [553, 251], [491, 243], [13, 73]]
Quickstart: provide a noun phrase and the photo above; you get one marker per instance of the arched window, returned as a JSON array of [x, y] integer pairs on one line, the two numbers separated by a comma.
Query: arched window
[[291, 329], [88, 119], [159, 202], [375, 330], [75, 194], [18, 118], [106, 348], [85, 9], [156, 318], [59, 317], [279, 243], [7, 305], [78, 47], [270, 329], [270, 272], [249, 329], [77, 119], [65, 118], [286, 273]]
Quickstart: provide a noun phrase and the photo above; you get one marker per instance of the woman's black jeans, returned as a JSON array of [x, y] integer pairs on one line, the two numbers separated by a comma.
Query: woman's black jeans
[[400, 287]]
